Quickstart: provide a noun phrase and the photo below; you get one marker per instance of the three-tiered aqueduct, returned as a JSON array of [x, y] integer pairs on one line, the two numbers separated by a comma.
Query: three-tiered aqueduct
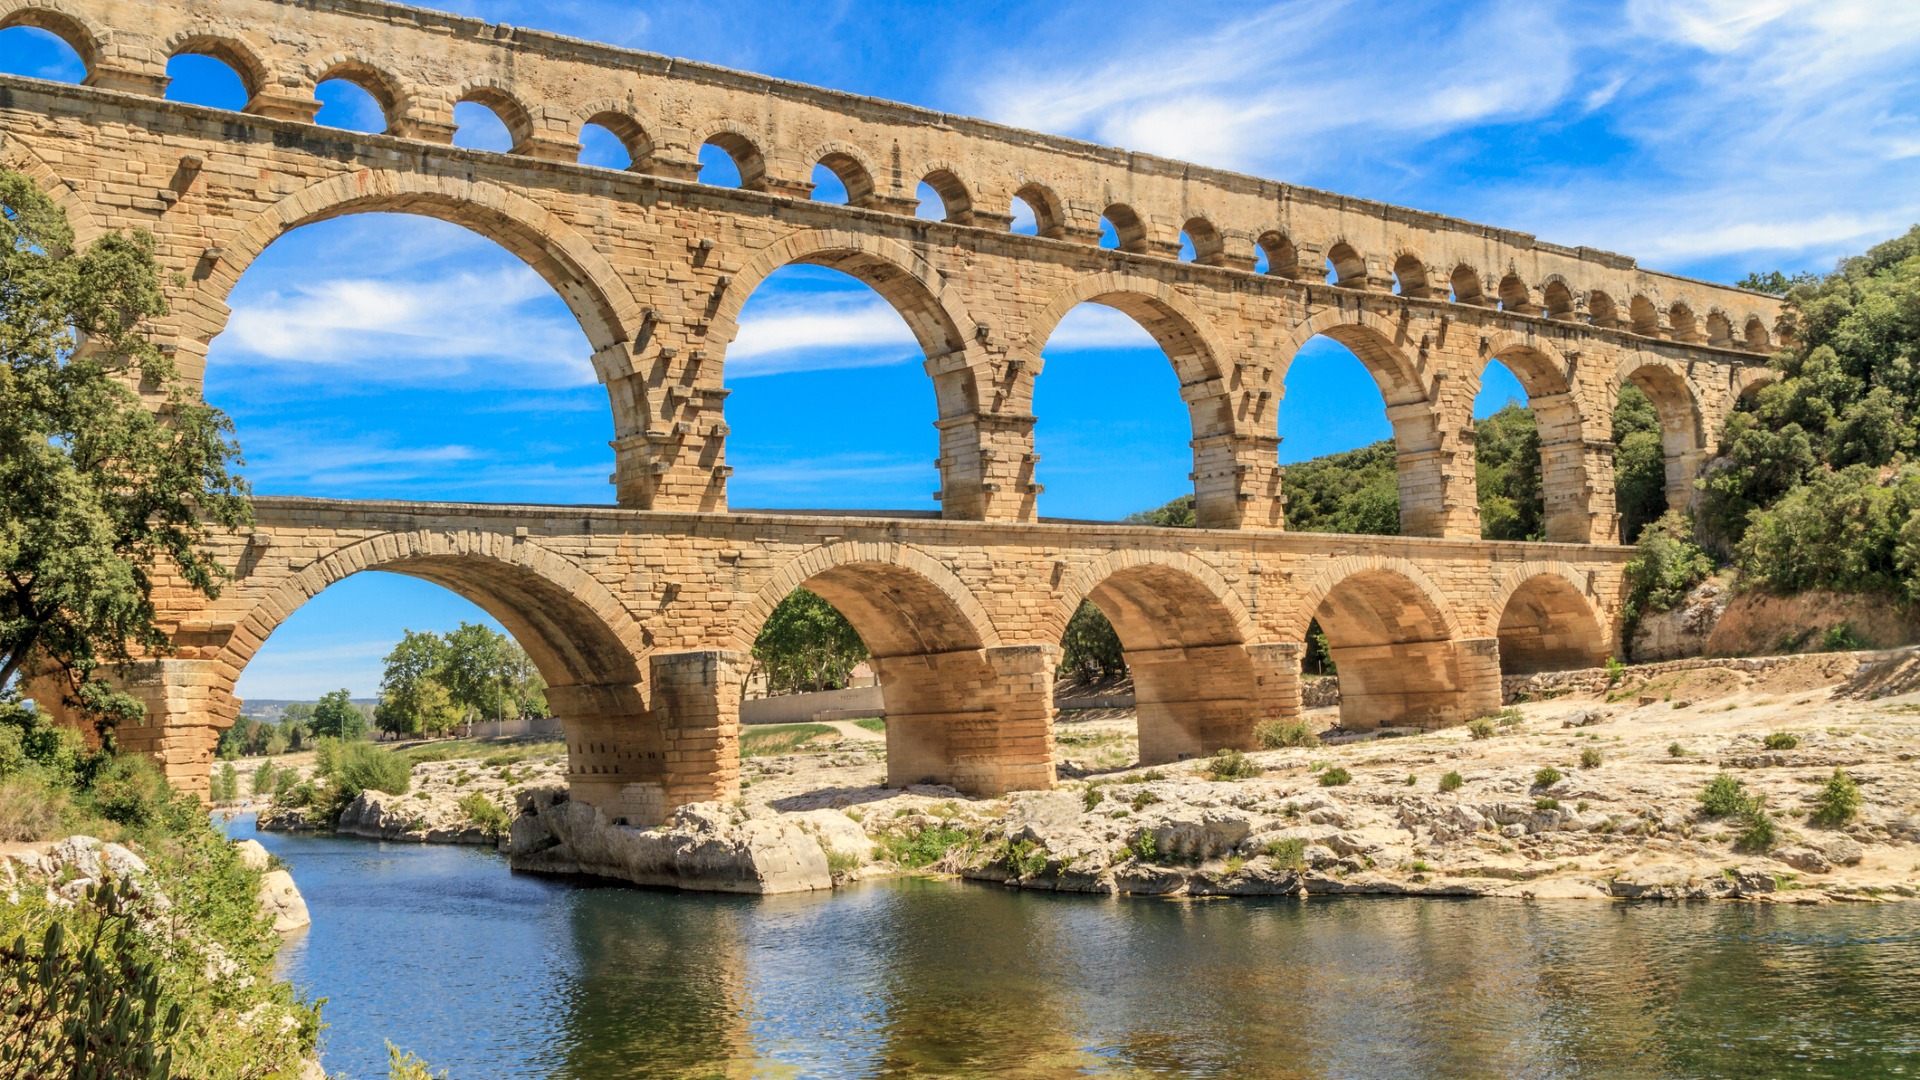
[[640, 616]]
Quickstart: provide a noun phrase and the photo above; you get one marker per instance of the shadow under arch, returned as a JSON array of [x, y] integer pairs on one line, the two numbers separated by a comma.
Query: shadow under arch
[[1396, 647], [939, 662], [588, 284], [1427, 505], [584, 642], [1184, 633], [1546, 622]]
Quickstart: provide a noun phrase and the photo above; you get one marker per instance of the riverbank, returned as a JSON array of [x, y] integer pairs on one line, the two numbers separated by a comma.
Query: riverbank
[[1593, 793]]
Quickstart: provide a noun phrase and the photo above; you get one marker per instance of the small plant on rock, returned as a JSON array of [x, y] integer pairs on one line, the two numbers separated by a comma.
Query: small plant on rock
[[1838, 802], [1509, 718], [1546, 804], [1615, 671], [1144, 848], [1480, 729], [1676, 750], [485, 814], [1758, 836], [1143, 799], [1547, 777], [1781, 740], [1451, 782], [1335, 777], [1412, 779], [1725, 796], [1591, 758], [1091, 797], [1290, 853], [1231, 764], [1280, 734]]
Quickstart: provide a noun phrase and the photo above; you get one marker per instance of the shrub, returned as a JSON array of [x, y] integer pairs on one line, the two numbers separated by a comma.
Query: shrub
[[1841, 638], [1546, 804], [1335, 777], [1781, 740], [1615, 671], [30, 810], [1547, 777], [362, 766], [1451, 782], [130, 790], [1143, 847], [1412, 779], [1231, 764], [1024, 858], [402, 1066], [1278, 734], [1838, 802], [922, 846], [1725, 796], [1091, 797], [1666, 565], [1290, 853], [1480, 729], [485, 814], [1509, 718], [1676, 750], [1591, 758], [263, 778], [1758, 836]]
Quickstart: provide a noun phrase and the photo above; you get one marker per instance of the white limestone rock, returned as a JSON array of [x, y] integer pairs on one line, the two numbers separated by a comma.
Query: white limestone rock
[[704, 847]]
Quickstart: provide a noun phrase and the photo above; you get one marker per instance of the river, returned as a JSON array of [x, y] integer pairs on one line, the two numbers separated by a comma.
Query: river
[[490, 974]]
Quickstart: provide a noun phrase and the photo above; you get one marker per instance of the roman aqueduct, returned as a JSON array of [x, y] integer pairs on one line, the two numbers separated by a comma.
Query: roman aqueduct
[[639, 615]]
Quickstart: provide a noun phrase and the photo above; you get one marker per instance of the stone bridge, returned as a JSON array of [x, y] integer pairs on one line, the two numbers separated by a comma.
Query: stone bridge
[[657, 267], [641, 622]]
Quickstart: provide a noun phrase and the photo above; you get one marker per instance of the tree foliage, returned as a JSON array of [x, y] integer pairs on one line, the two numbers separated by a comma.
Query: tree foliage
[[1356, 491], [807, 645], [434, 682], [1639, 463], [338, 717], [1506, 450], [1090, 650], [103, 487], [1809, 489]]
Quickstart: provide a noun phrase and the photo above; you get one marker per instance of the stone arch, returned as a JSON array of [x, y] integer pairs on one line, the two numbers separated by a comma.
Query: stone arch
[[1349, 266], [565, 259], [1719, 328], [243, 58], [1643, 316], [1282, 255], [902, 601], [848, 164], [385, 90], [1514, 294], [956, 198], [498, 97], [60, 21], [1184, 633], [903, 277], [1546, 377], [1465, 282], [1545, 620], [1049, 210], [1128, 227], [620, 118], [1381, 344], [1405, 580], [743, 145], [1150, 579], [1175, 322], [1209, 247], [1681, 321], [1682, 421], [1556, 298], [21, 158], [1393, 641], [576, 631], [1601, 310], [1410, 275], [1754, 334]]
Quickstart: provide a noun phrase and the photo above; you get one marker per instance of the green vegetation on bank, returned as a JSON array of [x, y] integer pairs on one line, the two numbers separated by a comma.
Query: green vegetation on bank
[[806, 645]]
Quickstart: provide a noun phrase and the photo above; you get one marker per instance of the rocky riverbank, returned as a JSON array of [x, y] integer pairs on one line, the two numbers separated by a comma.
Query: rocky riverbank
[[1589, 793]]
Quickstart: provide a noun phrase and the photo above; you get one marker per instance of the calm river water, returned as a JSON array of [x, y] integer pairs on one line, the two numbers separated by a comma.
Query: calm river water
[[490, 974]]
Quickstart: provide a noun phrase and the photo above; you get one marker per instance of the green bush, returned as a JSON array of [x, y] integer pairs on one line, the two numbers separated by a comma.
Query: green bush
[[1546, 804], [1843, 530], [1509, 718], [1231, 764], [1758, 836], [1451, 782], [1335, 777], [1838, 802], [1480, 729], [223, 785], [1290, 853], [1725, 796], [1781, 740], [1842, 638], [1279, 734], [1666, 565], [921, 846], [362, 766], [263, 779], [1591, 758], [1547, 777], [485, 814], [1674, 749]]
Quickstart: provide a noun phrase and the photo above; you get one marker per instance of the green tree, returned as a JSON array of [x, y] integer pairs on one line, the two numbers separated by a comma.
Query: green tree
[[489, 675], [413, 698], [1175, 514], [1639, 463], [336, 715], [1507, 471], [101, 490], [1356, 491], [807, 644]]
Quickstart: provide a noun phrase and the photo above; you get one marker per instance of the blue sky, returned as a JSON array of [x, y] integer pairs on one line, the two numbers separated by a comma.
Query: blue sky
[[394, 357]]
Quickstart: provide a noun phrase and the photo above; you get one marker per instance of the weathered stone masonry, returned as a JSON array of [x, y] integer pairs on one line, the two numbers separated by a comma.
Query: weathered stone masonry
[[657, 269]]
